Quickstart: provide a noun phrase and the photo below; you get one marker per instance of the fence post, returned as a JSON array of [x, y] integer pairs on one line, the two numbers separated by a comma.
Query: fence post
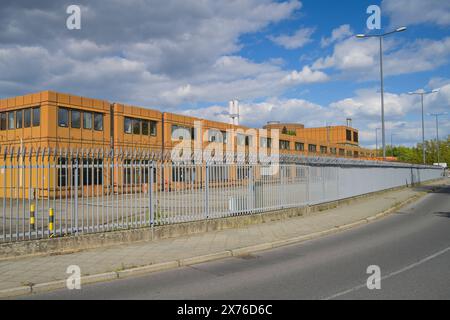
[[207, 191], [308, 178], [251, 189], [76, 193], [337, 182], [150, 196], [322, 174]]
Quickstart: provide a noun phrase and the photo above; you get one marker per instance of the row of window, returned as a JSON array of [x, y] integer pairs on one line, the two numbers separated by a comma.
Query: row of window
[[139, 126], [300, 146], [24, 118], [76, 119]]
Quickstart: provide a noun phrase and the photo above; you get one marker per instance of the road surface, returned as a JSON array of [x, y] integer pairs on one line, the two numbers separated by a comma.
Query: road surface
[[411, 247]]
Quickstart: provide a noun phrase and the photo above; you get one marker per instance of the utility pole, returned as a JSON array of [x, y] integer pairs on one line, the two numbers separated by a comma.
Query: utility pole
[[437, 115], [380, 37], [422, 93]]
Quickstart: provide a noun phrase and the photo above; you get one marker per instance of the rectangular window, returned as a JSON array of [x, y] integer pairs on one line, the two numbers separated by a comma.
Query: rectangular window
[[11, 124], [224, 137], [36, 117], [136, 126], [323, 149], [265, 142], [63, 117], [87, 172], [212, 136], [62, 172], [216, 136], [248, 141], [240, 139], [355, 136], [3, 121], [127, 125], [348, 135], [98, 121], [341, 152], [19, 119], [145, 127], [284, 145], [349, 153], [299, 146], [27, 118], [75, 119], [312, 148], [87, 120], [333, 150], [180, 133], [98, 171], [153, 128]]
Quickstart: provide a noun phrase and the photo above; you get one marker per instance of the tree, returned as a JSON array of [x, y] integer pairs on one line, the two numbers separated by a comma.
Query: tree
[[414, 154]]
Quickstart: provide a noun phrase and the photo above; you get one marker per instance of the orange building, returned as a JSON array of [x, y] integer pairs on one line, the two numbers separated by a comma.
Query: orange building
[[72, 129], [58, 121]]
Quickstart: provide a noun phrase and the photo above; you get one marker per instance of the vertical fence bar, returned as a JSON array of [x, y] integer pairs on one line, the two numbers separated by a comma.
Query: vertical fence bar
[[76, 193], [5, 171], [206, 191]]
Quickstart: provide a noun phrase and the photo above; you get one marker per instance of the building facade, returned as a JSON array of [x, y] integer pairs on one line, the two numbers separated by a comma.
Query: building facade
[[75, 132]]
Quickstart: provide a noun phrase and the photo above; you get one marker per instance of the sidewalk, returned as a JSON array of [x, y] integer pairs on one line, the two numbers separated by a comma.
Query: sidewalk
[[31, 271]]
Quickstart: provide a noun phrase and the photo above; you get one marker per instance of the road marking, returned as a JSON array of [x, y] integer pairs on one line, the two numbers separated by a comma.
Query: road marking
[[413, 265]]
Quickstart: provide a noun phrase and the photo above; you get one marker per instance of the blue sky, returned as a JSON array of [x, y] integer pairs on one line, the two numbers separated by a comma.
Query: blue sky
[[295, 61], [323, 16]]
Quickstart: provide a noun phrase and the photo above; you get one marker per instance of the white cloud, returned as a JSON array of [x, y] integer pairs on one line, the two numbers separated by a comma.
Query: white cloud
[[437, 82], [299, 39], [159, 53], [366, 105], [306, 75], [412, 12], [337, 34], [360, 57]]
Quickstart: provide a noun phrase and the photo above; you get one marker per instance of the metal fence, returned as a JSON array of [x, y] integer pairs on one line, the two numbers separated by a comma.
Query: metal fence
[[54, 193]]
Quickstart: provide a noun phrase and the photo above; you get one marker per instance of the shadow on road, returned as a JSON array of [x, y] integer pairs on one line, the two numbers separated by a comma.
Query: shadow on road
[[433, 189], [443, 214]]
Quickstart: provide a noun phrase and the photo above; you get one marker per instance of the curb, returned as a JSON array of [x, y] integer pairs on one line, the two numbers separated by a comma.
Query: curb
[[137, 271]]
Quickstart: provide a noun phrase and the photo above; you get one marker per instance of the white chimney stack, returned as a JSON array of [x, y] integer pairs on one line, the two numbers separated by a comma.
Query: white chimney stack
[[234, 112]]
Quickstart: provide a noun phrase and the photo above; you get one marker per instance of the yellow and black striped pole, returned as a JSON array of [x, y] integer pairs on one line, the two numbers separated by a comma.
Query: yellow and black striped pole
[[32, 217], [51, 221]]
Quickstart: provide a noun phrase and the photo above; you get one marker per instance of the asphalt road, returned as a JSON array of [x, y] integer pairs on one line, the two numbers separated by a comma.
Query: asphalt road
[[411, 247]]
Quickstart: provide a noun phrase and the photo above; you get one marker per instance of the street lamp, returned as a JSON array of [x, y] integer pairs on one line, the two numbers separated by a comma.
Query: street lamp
[[422, 93], [437, 115], [381, 36]]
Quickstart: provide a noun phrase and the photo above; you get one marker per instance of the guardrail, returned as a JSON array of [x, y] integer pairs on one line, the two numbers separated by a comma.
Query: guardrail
[[54, 193]]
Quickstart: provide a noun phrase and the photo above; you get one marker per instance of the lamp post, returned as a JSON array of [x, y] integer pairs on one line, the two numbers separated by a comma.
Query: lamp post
[[421, 94], [437, 115], [380, 37]]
